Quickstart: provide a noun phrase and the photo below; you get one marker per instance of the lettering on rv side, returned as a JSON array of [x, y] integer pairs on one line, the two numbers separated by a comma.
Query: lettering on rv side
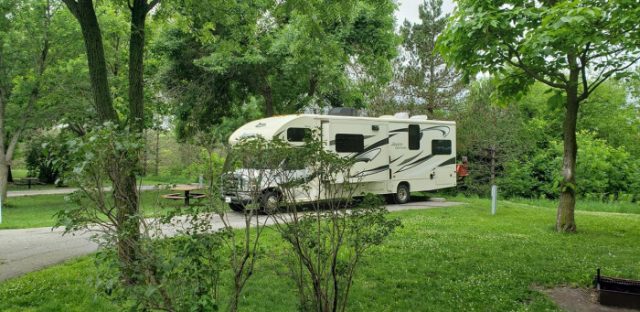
[[399, 146]]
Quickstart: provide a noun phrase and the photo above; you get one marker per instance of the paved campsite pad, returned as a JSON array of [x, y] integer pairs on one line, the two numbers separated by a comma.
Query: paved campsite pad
[[26, 250], [422, 205], [578, 300]]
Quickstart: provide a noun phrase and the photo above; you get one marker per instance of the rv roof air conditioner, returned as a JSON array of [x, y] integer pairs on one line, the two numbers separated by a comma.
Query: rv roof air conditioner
[[401, 115], [419, 117]]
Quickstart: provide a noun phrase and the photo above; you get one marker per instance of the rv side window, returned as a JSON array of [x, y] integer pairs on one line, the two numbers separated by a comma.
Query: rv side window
[[414, 137], [298, 134], [441, 147], [349, 143]]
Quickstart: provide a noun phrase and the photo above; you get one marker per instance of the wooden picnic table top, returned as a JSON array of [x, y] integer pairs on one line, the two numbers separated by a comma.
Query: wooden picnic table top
[[186, 187]]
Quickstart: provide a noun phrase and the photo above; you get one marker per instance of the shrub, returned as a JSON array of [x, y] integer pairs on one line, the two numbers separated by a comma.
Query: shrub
[[604, 172], [47, 157]]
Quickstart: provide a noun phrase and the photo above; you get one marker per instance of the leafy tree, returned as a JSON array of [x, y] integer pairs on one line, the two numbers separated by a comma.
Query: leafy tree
[[528, 134], [572, 46], [199, 98], [489, 134], [286, 54], [24, 57], [610, 114], [425, 77]]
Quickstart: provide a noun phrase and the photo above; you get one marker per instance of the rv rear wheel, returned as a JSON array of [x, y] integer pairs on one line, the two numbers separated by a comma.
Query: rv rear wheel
[[236, 207], [403, 194]]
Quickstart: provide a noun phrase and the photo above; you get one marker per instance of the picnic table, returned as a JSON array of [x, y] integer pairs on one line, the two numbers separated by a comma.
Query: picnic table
[[29, 181], [186, 189]]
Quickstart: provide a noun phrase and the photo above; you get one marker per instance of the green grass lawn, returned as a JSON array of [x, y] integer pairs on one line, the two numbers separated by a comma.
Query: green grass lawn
[[166, 179], [148, 180], [586, 205], [19, 173], [38, 211], [444, 259]]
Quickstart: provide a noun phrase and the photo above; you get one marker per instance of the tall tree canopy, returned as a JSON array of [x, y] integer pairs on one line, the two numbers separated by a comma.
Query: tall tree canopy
[[286, 54], [424, 76], [572, 46]]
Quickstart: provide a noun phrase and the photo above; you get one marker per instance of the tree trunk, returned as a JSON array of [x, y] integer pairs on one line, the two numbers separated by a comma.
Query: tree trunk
[[157, 167], [122, 172], [6, 156], [86, 16], [9, 175], [145, 152], [3, 160], [136, 65], [268, 99], [313, 85], [565, 221], [3, 178], [125, 195]]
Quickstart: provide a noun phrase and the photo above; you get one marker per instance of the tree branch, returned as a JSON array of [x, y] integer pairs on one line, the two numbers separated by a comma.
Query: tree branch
[[73, 7], [583, 72], [608, 74], [151, 5], [520, 64], [12, 145]]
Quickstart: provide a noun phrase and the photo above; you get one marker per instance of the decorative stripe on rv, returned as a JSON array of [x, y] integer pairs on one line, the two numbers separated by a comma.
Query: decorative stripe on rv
[[415, 163], [372, 171], [450, 161]]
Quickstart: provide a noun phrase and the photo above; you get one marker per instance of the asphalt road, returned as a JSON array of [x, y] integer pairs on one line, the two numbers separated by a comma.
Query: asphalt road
[[26, 250]]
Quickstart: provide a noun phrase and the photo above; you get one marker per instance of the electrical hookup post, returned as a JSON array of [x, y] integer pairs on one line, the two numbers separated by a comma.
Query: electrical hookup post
[[494, 198]]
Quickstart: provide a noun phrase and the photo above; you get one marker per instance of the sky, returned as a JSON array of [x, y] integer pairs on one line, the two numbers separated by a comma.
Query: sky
[[408, 10]]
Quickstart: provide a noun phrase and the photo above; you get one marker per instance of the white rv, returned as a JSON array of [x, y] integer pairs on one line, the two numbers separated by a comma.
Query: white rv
[[394, 155]]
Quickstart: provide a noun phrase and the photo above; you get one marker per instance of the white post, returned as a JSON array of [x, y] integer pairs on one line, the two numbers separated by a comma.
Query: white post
[[200, 181], [494, 198]]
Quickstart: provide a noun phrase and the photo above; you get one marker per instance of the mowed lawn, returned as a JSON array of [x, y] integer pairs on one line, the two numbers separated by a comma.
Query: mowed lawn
[[443, 259], [39, 211]]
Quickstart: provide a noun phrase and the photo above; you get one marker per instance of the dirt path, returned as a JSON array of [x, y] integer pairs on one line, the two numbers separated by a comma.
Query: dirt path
[[26, 250], [578, 300]]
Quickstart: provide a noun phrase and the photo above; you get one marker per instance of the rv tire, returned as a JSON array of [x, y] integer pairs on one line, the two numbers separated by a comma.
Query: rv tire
[[403, 194], [270, 201], [236, 207]]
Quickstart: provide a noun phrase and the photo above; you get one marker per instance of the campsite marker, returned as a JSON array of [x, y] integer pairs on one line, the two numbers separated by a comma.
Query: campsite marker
[[494, 198]]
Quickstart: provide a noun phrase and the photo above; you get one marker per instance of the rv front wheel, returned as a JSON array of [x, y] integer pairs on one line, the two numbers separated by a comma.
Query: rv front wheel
[[270, 202], [403, 195], [236, 207]]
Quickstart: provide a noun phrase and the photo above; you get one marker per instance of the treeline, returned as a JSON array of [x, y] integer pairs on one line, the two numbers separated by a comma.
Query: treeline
[[210, 67], [520, 142]]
